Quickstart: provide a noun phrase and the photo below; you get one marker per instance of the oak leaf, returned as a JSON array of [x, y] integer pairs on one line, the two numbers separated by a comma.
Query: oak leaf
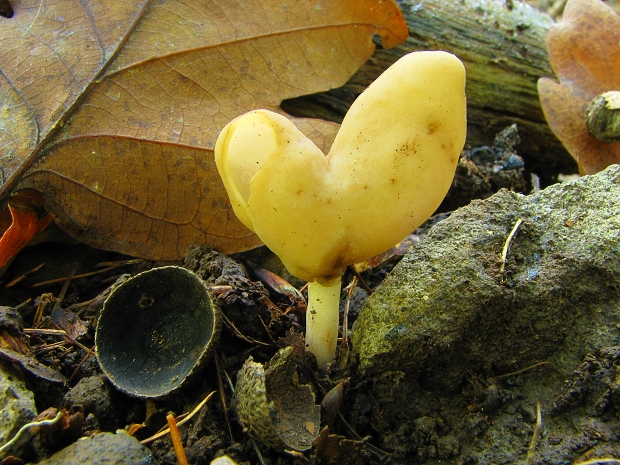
[[584, 51], [110, 109]]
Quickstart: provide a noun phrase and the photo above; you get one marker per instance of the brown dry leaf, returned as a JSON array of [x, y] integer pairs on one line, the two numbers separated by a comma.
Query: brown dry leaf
[[584, 51], [110, 109]]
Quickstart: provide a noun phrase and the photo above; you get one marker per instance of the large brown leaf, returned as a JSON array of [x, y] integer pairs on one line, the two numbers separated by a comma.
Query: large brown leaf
[[110, 109], [584, 51]]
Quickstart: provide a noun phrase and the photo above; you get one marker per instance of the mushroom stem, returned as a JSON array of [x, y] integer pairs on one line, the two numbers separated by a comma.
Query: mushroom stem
[[322, 319]]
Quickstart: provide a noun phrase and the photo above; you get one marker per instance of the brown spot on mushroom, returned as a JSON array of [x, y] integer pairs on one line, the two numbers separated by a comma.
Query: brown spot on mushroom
[[338, 262], [409, 147], [432, 127]]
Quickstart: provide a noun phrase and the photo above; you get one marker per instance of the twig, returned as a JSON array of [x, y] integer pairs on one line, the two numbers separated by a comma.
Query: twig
[[531, 367], [261, 459], [220, 388], [44, 301], [112, 279], [63, 291], [176, 440], [218, 290], [363, 283], [345, 317], [266, 330], [161, 434], [231, 385], [19, 278], [72, 340], [66, 352], [81, 307], [380, 454], [45, 332], [48, 347], [23, 304], [230, 325], [77, 368], [507, 244], [77, 276], [117, 263], [535, 434]]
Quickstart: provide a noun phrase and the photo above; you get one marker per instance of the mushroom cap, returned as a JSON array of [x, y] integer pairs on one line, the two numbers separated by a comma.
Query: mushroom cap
[[388, 170]]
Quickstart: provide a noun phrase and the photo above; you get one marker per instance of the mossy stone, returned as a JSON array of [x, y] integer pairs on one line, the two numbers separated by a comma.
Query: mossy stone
[[448, 308]]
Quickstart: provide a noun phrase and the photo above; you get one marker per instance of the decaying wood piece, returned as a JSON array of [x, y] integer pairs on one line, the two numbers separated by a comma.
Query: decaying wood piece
[[503, 45]]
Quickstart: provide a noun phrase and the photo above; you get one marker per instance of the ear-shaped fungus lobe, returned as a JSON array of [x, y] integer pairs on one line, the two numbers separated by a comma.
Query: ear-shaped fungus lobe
[[390, 166]]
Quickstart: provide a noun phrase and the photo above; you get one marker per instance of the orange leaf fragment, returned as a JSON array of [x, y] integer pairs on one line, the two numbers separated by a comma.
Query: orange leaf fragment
[[584, 51], [25, 225]]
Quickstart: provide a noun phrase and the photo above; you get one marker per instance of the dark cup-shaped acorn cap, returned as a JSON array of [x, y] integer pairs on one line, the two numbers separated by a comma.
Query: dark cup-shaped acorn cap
[[155, 329]]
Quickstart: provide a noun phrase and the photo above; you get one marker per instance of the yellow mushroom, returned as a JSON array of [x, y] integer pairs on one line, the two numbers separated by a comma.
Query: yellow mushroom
[[389, 168]]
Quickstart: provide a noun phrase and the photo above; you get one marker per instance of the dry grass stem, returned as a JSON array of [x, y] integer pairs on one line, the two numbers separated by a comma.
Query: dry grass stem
[[77, 276], [161, 434], [507, 245]]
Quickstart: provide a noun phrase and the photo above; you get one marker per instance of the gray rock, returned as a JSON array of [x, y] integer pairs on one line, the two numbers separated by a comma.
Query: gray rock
[[17, 405], [447, 308], [97, 397], [103, 448]]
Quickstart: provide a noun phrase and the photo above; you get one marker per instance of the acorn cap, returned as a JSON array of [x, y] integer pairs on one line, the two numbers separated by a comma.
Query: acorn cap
[[155, 330], [272, 405]]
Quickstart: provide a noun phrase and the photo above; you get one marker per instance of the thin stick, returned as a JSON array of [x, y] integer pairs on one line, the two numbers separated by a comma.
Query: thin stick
[[48, 347], [266, 330], [230, 325], [220, 388], [537, 430], [77, 276], [217, 290], [161, 434], [77, 368], [261, 459], [81, 307], [507, 244], [382, 455], [19, 278], [118, 263], [63, 291], [363, 283], [176, 440], [23, 304], [345, 317], [531, 367], [45, 332], [112, 279], [231, 385], [44, 301], [72, 340]]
